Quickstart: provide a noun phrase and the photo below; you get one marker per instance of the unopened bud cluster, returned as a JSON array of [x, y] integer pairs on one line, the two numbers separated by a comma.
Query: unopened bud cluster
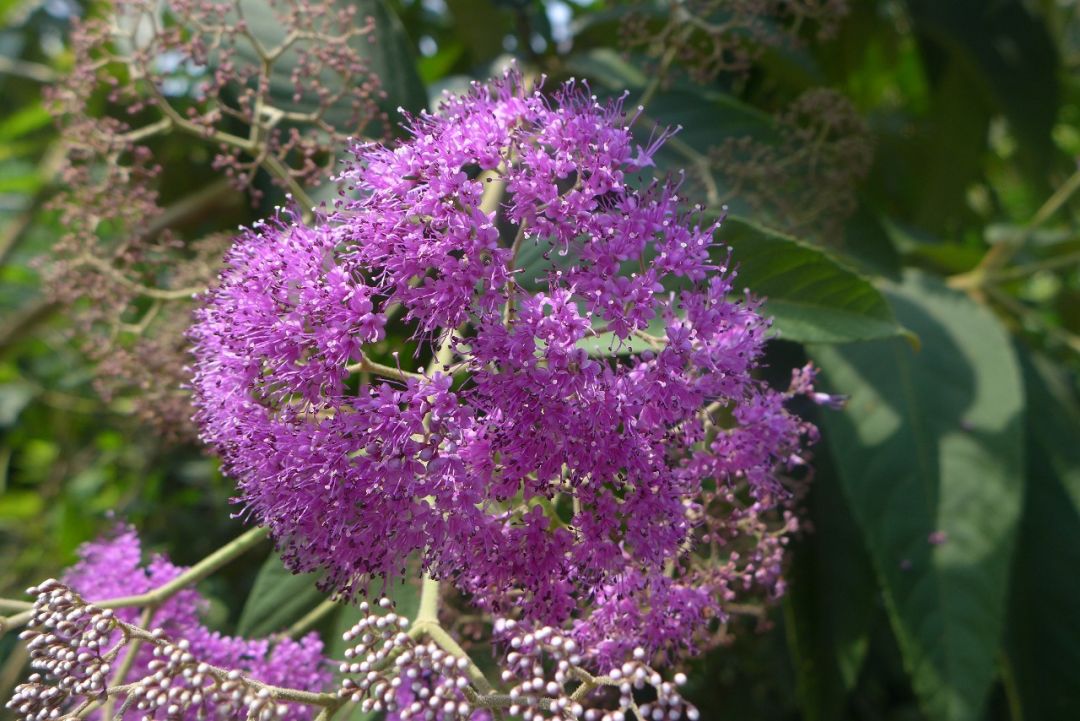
[[387, 670], [86, 656], [69, 642], [180, 684], [552, 683], [74, 644], [263, 88]]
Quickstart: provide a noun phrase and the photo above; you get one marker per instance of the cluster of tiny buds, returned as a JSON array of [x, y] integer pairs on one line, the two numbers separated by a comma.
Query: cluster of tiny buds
[[72, 644], [387, 670], [178, 682], [541, 694]]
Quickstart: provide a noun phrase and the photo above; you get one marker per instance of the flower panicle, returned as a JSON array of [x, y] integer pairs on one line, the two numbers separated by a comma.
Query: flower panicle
[[540, 475]]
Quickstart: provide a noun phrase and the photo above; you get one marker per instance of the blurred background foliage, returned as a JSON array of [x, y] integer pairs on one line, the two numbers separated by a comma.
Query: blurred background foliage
[[901, 176]]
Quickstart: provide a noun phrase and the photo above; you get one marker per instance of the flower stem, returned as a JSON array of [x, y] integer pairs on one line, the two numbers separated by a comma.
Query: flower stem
[[429, 601], [125, 665], [999, 255], [239, 545]]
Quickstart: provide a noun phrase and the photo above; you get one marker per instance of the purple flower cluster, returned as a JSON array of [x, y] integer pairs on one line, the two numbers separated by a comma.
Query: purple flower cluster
[[113, 567], [543, 476]]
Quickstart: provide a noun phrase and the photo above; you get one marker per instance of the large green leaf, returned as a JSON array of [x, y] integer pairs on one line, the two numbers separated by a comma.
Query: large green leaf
[[391, 57], [1044, 625], [278, 598], [832, 601], [813, 297], [930, 455]]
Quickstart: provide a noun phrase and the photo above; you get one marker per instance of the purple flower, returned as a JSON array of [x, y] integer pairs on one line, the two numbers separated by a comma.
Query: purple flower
[[539, 477]]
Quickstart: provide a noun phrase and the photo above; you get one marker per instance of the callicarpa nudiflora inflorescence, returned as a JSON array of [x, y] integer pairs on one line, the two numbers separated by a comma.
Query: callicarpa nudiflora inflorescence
[[580, 445], [572, 488]]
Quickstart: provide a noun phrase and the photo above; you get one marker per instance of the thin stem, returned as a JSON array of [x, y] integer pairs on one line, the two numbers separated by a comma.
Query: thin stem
[[1023, 271], [999, 255], [278, 168], [270, 162], [216, 560], [366, 364], [519, 239], [147, 131], [12, 669], [159, 595], [501, 700], [279, 693], [125, 666], [494, 185], [13, 604], [115, 274], [29, 70], [446, 642]]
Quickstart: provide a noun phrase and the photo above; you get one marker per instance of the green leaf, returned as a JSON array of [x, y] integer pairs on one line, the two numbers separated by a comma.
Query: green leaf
[[868, 246], [391, 57], [481, 27], [930, 456], [278, 598], [1043, 651], [813, 297], [832, 600], [1013, 56], [24, 121]]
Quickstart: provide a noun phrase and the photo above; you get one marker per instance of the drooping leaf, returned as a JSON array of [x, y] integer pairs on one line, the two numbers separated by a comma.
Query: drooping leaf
[[930, 455], [832, 600], [278, 598], [813, 297], [1043, 641]]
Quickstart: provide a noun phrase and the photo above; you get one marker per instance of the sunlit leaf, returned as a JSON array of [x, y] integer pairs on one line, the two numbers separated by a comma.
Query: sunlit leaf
[[930, 455]]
